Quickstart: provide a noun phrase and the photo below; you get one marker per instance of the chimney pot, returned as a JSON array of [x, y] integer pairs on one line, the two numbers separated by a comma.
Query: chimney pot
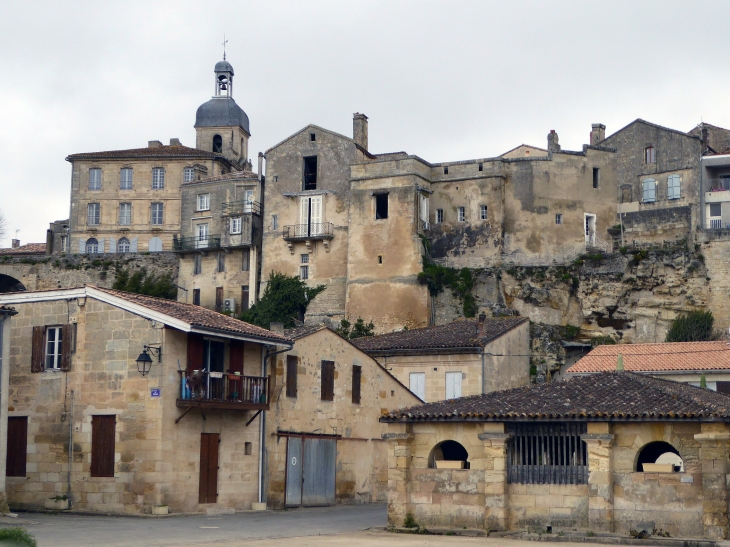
[[153, 144], [15, 243], [360, 129], [553, 144]]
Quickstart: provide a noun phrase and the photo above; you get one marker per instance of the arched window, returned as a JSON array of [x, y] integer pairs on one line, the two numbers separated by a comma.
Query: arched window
[[659, 452], [649, 190], [92, 246], [123, 245], [217, 143], [649, 155], [449, 451]]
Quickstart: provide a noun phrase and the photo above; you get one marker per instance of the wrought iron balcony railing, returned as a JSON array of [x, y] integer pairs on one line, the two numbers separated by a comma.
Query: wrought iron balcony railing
[[241, 207], [314, 230], [196, 243], [223, 390]]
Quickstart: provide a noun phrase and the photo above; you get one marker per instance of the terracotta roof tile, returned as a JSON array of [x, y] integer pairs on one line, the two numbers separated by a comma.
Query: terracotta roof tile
[[305, 330], [459, 334], [155, 152], [670, 356], [198, 316], [27, 249], [607, 396]]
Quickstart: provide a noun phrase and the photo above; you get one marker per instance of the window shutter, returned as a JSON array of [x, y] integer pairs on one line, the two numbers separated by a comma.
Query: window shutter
[[195, 352], [37, 353], [82, 245], [102, 445], [101, 245], [112, 245], [66, 340], [133, 245], [236, 356], [328, 380], [356, 378], [291, 375], [17, 446]]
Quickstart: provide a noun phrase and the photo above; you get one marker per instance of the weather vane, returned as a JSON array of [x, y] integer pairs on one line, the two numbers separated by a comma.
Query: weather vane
[[224, 47]]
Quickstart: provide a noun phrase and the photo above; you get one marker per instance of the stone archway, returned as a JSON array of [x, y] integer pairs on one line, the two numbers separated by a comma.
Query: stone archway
[[10, 284]]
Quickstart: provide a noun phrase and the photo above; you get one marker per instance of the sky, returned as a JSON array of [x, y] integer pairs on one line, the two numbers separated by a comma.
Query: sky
[[449, 80]]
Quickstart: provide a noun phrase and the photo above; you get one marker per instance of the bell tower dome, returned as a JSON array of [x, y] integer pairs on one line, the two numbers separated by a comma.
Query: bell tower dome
[[221, 126]]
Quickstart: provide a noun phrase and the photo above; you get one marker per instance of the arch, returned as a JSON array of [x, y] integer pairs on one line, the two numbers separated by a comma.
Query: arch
[[155, 245], [123, 245], [448, 451], [651, 452], [10, 284], [217, 143], [92, 246]]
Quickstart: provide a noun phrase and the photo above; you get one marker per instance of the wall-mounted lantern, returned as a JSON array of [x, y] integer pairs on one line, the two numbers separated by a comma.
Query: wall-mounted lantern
[[144, 361]]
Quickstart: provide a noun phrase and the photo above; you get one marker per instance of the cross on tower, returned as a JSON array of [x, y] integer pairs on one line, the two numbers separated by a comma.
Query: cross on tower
[[224, 47]]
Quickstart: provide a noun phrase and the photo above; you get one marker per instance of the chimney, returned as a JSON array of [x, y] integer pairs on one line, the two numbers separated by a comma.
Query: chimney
[[360, 129], [261, 165], [175, 142], [153, 144], [276, 326], [480, 324], [15, 243], [598, 133], [553, 144]]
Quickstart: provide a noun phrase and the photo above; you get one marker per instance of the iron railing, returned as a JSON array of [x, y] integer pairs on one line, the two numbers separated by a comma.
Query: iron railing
[[241, 207], [313, 230], [222, 387], [196, 243]]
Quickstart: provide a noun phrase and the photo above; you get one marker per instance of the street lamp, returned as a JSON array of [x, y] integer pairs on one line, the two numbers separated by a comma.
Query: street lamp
[[144, 361]]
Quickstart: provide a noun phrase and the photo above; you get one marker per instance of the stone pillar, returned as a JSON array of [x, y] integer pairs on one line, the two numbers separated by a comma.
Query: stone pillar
[[496, 484], [399, 474], [714, 440], [600, 480]]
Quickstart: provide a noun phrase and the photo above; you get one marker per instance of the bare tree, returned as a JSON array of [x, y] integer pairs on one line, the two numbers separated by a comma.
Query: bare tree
[[3, 226]]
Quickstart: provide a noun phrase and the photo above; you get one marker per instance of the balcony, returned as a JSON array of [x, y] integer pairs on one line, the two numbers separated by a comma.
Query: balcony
[[220, 390], [196, 243], [308, 232], [241, 207]]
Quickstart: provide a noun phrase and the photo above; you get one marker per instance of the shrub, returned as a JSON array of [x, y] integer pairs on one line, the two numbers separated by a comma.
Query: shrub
[[696, 326], [409, 521], [359, 329], [17, 537], [285, 299], [140, 283]]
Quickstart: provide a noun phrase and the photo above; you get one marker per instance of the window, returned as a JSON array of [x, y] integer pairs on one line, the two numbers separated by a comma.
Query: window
[[596, 172], [125, 178], [125, 214], [673, 186], [95, 179], [158, 178], [92, 246], [417, 384], [312, 137], [203, 202], [197, 264], [93, 214], [51, 348], [481, 167], [64, 244], [218, 299], [203, 232], [653, 451], [156, 214], [196, 297], [221, 262], [356, 380], [453, 385], [439, 216], [17, 446], [189, 174], [446, 170], [245, 295], [462, 214], [274, 222], [303, 272], [217, 143], [381, 206], [328, 380], [291, 376], [483, 213], [558, 218], [449, 451], [236, 225], [649, 188], [102, 445], [154, 245], [54, 340], [305, 258], [246, 260], [310, 173], [123, 245], [649, 155]]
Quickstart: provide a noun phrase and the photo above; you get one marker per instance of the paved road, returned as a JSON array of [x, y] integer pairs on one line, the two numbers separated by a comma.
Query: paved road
[[65, 530]]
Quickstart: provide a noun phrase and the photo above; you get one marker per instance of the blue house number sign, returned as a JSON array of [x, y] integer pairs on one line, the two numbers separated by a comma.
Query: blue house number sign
[[155, 392]]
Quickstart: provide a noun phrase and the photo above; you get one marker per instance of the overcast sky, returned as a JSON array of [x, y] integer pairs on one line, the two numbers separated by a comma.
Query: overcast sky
[[444, 80]]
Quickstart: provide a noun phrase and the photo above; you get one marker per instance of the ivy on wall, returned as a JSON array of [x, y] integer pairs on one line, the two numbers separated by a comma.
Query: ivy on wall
[[437, 278]]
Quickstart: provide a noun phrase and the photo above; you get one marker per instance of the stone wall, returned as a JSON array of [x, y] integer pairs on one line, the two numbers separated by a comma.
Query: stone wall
[[657, 225]]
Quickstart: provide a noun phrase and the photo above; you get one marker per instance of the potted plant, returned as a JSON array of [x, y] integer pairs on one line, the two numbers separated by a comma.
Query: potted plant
[[161, 509], [57, 503]]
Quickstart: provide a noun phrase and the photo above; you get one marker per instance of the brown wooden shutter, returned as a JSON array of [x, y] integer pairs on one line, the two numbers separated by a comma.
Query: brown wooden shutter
[[291, 375], [66, 339], [195, 352], [102, 445], [356, 378], [208, 484], [219, 298], [328, 380], [37, 352], [236, 357], [17, 446]]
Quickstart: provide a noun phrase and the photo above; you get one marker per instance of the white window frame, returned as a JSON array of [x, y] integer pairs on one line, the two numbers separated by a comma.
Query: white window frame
[[53, 348], [674, 187], [125, 220], [126, 182], [462, 214], [93, 219], [649, 154], [304, 272], [95, 178], [236, 225], [123, 245], [157, 213], [92, 248], [439, 216], [158, 178], [203, 202], [484, 212], [646, 191], [559, 218], [188, 174]]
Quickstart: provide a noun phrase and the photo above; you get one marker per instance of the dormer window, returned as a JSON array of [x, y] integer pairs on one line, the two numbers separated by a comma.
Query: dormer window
[[217, 143]]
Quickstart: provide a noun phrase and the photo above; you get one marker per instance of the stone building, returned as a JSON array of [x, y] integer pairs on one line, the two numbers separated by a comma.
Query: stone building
[[160, 401], [583, 454], [463, 358], [220, 241], [323, 437], [6, 313]]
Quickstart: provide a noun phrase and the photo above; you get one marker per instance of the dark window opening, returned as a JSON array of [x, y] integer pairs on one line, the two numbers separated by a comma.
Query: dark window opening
[[381, 206], [247, 448], [450, 451], [15, 462], [244, 297], [102, 445], [312, 137], [196, 297], [481, 167], [356, 380], [723, 387], [595, 177], [217, 143], [651, 452], [380, 259], [310, 173], [291, 376], [715, 209], [328, 380], [446, 170]]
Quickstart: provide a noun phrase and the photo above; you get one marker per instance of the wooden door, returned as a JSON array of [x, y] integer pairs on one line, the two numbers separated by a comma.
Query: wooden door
[[17, 446], [102, 445], [208, 487]]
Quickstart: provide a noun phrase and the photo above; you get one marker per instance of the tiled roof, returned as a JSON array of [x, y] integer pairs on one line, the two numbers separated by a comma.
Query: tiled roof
[[233, 175], [198, 316], [670, 356], [154, 152], [457, 335], [305, 330], [27, 249], [607, 396]]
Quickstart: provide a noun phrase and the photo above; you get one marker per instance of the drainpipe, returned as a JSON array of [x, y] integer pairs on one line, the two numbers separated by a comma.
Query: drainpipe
[[484, 377], [70, 451]]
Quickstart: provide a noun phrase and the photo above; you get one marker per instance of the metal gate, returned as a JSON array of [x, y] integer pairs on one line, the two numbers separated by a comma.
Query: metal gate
[[310, 471]]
